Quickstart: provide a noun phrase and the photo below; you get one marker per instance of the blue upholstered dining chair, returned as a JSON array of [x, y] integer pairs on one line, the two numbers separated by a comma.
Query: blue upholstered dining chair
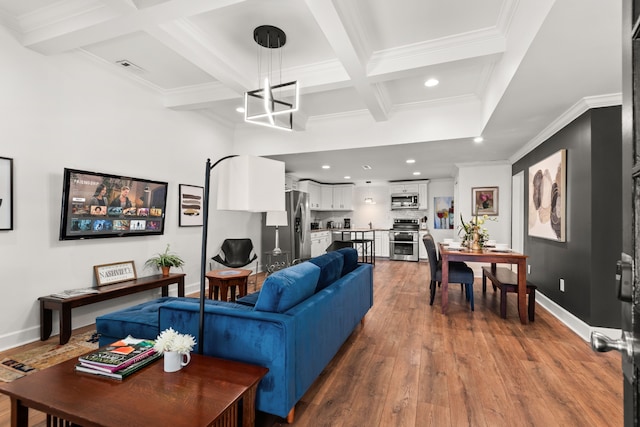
[[459, 272]]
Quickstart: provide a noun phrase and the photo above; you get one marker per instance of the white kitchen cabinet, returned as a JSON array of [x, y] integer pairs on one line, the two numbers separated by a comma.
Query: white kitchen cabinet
[[320, 241], [407, 187], [315, 196], [385, 243], [343, 197], [326, 196], [290, 182], [378, 242], [423, 196]]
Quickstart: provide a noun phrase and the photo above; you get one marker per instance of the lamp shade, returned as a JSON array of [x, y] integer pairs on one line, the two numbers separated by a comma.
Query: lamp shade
[[277, 218], [253, 184]]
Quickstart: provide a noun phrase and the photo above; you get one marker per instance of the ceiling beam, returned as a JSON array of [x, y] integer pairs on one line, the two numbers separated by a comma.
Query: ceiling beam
[[352, 53], [96, 24]]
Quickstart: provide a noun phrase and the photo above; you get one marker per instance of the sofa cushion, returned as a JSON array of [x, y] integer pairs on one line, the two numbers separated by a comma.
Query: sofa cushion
[[287, 287], [249, 300], [140, 321], [330, 268], [350, 259]]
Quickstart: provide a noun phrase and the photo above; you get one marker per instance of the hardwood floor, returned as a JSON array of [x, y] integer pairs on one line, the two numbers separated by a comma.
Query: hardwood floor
[[411, 366]]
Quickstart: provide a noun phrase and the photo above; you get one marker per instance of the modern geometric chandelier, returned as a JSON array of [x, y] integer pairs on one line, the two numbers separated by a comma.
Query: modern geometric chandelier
[[271, 105]]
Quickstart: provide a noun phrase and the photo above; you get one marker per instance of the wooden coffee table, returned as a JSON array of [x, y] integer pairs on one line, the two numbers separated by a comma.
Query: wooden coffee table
[[207, 392], [225, 279]]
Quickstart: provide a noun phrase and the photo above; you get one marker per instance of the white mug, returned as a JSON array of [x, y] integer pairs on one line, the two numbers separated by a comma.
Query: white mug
[[174, 361]]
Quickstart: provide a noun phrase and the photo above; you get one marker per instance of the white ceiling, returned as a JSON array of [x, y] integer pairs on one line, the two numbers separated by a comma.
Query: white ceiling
[[508, 69]]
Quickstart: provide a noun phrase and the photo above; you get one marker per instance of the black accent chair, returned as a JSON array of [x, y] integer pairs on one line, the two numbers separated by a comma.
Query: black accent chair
[[236, 253], [459, 272]]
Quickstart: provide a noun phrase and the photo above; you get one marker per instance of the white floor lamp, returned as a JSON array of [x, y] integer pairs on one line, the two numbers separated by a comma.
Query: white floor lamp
[[245, 183]]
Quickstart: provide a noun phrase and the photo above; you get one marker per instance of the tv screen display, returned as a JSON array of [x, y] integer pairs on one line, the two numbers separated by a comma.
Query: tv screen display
[[98, 205]]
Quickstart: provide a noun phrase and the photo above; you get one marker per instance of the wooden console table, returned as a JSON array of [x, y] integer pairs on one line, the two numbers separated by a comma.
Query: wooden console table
[[207, 392], [107, 292]]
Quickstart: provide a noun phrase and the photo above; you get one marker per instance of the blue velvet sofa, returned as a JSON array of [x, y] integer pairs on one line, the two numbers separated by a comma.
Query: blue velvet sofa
[[294, 326]]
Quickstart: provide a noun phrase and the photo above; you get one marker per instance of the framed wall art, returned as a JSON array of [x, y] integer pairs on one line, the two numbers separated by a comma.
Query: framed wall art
[[6, 193], [191, 199], [548, 197], [108, 274], [484, 200]]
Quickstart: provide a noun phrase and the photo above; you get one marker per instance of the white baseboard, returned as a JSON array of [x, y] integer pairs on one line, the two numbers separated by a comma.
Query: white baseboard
[[582, 329]]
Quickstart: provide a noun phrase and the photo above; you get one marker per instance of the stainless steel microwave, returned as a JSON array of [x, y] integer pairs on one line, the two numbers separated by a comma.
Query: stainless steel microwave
[[404, 201]]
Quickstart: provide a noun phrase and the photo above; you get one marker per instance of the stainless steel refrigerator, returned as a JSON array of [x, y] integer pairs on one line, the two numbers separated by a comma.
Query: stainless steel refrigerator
[[296, 236]]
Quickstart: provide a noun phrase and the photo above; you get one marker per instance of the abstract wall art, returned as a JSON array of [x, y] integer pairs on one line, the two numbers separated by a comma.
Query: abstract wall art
[[548, 197]]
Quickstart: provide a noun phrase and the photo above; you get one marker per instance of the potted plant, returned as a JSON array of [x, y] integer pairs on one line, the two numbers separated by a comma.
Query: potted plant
[[164, 261]]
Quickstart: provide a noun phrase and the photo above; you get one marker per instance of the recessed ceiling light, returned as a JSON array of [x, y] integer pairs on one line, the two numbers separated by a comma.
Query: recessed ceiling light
[[240, 109], [410, 161], [366, 167], [326, 167], [347, 177], [431, 83], [478, 139], [416, 173]]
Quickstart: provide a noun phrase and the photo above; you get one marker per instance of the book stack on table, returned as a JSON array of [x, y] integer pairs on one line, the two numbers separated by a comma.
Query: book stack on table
[[119, 359]]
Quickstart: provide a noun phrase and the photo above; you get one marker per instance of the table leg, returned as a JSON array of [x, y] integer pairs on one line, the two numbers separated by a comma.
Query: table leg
[[46, 319], [181, 287], [19, 414], [248, 407], [65, 324], [233, 292], [223, 291], [165, 291], [445, 283], [522, 291], [242, 289]]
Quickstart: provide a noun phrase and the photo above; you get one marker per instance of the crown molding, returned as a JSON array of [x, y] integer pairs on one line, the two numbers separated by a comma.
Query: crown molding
[[570, 115]]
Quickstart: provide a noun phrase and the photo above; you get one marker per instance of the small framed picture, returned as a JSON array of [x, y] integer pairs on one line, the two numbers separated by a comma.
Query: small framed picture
[[6, 193], [191, 199], [108, 274], [484, 200]]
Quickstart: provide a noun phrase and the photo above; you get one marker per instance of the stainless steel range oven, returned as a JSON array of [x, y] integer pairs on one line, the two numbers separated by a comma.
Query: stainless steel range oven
[[403, 240]]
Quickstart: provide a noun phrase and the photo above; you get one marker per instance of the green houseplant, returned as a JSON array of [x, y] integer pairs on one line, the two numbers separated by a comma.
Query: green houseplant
[[164, 261]]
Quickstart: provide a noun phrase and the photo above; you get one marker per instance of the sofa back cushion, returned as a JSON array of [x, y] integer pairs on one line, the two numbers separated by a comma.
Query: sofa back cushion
[[330, 268], [350, 256], [287, 287]]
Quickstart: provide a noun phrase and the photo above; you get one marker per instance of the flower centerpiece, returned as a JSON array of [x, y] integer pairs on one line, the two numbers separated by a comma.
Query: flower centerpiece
[[474, 236], [171, 340]]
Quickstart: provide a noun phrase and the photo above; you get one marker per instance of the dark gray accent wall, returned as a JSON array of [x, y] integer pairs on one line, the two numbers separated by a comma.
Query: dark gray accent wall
[[587, 260]]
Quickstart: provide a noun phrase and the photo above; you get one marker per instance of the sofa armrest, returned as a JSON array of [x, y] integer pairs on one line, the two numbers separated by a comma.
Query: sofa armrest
[[241, 334]]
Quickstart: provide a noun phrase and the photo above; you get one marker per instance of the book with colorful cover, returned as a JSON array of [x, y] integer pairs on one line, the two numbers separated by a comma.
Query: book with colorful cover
[[122, 373], [119, 354]]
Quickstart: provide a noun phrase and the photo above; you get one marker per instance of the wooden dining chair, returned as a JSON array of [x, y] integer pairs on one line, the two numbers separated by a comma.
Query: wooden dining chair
[[459, 272]]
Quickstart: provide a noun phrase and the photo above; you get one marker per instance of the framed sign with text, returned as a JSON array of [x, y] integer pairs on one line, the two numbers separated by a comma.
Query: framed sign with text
[[108, 274]]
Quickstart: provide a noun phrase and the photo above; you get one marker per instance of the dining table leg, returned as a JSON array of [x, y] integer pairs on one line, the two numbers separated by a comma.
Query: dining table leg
[[522, 291], [445, 283]]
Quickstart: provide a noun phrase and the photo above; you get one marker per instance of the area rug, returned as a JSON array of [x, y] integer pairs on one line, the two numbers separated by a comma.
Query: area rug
[[24, 363]]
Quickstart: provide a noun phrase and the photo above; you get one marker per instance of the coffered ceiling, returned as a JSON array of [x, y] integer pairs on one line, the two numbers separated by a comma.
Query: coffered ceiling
[[507, 69]]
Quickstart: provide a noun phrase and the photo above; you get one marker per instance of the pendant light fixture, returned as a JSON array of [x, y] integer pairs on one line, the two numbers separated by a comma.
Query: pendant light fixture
[[272, 104], [369, 198]]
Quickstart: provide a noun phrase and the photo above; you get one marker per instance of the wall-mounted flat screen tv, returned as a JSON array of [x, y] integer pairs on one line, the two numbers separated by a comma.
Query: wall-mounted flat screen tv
[[99, 205]]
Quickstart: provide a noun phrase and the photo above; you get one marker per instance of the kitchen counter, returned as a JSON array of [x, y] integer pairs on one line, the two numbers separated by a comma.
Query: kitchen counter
[[340, 230]]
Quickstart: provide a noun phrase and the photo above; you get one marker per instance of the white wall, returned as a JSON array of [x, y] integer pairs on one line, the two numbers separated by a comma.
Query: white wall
[[65, 111], [496, 174]]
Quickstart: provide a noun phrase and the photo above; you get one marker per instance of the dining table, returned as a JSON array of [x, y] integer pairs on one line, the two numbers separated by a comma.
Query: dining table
[[486, 255]]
